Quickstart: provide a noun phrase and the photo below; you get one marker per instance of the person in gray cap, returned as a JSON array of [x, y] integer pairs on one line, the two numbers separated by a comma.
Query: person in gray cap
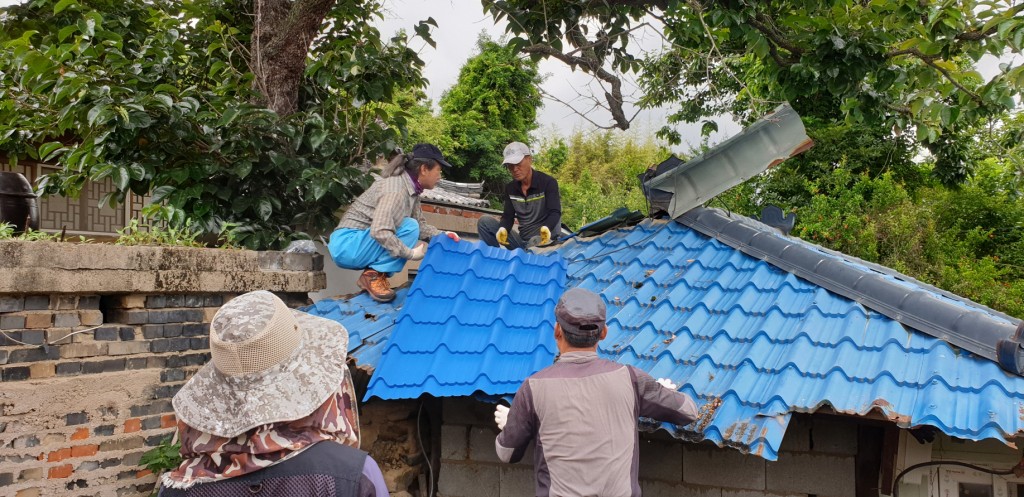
[[532, 198], [582, 411]]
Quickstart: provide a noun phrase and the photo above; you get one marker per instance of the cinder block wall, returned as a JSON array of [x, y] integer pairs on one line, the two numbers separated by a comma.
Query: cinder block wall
[[816, 458], [86, 378]]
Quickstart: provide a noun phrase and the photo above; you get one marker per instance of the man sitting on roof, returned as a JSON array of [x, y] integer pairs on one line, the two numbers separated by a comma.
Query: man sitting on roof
[[384, 227], [583, 411], [531, 197]]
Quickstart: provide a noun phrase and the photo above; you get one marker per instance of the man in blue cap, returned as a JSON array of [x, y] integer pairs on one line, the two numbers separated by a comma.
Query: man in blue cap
[[582, 411]]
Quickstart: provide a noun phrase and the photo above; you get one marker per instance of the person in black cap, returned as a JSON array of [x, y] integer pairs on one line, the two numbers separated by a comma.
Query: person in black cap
[[384, 227], [583, 411]]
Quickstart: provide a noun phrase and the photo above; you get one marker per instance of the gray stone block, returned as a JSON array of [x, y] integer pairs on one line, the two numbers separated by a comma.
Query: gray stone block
[[832, 435], [151, 331], [661, 460], [107, 333], [213, 301], [66, 320], [12, 304], [11, 322], [33, 337], [37, 302], [717, 467], [175, 300], [193, 300], [819, 474], [517, 480], [652, 488], [172, 330], [454, 442], [798, 435], [90, 302], [465, 411], [296, 262], [156, 302], [269, 260], [468, 480], [481, 445]]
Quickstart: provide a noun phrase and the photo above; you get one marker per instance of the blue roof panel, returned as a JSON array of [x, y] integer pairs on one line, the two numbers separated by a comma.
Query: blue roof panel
[[750, 342], [475, 319], [754, 343]]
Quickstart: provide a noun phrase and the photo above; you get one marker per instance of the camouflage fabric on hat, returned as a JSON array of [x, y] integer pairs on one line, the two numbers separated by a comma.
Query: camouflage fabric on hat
[[269, 364]]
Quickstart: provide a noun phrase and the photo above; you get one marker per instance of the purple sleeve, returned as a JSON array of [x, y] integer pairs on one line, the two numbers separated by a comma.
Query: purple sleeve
[[520, 428], [373, 481], [660, 403]]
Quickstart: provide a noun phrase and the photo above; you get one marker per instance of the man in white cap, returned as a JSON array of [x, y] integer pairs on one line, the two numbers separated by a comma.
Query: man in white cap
[[582, 411], [531, 198]]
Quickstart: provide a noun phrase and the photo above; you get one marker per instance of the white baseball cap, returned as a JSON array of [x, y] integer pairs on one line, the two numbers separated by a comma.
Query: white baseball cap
[[515, 151]]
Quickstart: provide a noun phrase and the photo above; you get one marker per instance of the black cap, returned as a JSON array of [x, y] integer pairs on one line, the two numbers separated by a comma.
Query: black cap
[[428, 151]]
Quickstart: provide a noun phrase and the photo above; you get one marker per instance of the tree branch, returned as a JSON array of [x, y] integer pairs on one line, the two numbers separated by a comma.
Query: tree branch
[[930, 61], [594, 67], [760, 23]]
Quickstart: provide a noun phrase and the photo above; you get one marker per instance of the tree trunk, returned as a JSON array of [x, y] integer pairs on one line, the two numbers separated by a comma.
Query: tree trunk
[[283, 32]]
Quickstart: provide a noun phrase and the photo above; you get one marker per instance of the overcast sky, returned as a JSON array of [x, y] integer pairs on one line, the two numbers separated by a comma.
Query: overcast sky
[[460, 23]]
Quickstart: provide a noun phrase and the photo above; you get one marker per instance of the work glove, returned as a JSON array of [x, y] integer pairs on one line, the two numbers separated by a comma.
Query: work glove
[[545, 235], [502, 236], [500, 416], [418, 252], [453, 235], [667, 383]]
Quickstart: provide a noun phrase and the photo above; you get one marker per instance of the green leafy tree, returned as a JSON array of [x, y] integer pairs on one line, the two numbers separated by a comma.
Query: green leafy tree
[[597, 173], [494, 102], [900, 65], [162, 97]]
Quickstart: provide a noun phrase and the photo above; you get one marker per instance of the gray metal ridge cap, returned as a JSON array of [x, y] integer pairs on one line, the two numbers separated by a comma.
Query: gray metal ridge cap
[[915, 304], [783, 112]]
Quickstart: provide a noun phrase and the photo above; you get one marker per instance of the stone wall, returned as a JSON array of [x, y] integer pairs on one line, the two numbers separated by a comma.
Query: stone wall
[[95, 341], [817, 457]]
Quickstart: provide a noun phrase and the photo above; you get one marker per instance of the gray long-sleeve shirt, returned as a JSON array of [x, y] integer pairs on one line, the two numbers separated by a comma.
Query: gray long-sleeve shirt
[[382, 207], [583, 411]]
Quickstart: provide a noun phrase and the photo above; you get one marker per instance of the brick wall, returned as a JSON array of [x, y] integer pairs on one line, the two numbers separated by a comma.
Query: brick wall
[[86, 378], [816, 458]]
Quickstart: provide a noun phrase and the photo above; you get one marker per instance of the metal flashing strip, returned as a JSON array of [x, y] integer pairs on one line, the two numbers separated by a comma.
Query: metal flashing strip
[[960, 322], [762, 145]]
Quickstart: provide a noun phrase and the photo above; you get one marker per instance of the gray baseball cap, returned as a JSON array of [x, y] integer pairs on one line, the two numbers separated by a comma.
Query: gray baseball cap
[[580, 313], [515, 152]]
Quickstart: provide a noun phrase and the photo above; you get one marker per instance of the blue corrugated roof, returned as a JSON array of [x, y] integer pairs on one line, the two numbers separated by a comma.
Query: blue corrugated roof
[[754, 343], [369, 323], [476, 319], [750, 342]]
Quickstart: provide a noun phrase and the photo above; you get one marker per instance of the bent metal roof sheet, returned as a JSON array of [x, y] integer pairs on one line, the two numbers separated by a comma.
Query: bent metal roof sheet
[[750, 342]]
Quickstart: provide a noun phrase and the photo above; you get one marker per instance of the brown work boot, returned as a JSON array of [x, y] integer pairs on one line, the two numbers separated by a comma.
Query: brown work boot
[[376, 285]]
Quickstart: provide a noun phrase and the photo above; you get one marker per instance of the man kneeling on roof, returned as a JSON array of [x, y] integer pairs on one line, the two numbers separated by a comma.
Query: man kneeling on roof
[[582, 411], [384, 227]]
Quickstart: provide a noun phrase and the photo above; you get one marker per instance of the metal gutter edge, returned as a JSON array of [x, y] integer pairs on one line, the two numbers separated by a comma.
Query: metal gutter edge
[[960, 322]]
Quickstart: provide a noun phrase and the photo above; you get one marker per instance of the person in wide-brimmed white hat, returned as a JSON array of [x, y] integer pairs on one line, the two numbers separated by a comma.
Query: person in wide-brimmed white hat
[[273, 412]]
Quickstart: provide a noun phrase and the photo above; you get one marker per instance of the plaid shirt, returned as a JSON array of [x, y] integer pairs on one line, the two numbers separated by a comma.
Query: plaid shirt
[[382, 208]]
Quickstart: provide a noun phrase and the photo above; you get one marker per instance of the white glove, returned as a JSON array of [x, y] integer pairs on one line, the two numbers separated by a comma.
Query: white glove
[[418, 252], [667, 383], [453, 235], [502, 236], [500, 416]]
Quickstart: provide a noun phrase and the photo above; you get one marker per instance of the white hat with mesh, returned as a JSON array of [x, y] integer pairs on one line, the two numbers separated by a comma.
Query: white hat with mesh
[[268, 364]]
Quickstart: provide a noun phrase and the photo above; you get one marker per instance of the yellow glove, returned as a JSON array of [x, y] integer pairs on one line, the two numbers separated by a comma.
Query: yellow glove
[[502, 236], [545, 235]]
